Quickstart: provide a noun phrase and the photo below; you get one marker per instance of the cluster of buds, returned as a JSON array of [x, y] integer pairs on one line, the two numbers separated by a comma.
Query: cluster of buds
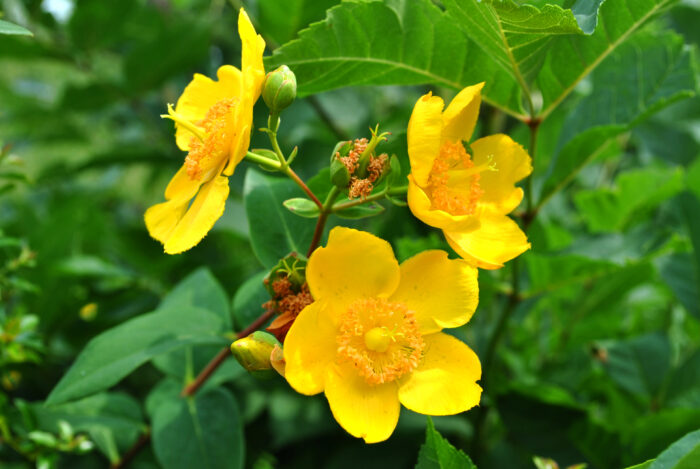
[[356, 168]]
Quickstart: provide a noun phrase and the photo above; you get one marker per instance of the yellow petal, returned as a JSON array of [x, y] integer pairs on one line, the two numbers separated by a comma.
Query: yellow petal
[[353, 265], [512, 164], [239, 148], [445, 381], [200, 95], [161, 219], [310, 348], [460, 116], [364, 411], [498, 240], [442, 292], [424, 136], [207, 207], [182, 185], [253, 47], [420, 206]]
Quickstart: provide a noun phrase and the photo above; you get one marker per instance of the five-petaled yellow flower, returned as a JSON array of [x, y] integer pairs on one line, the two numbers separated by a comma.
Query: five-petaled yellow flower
[[372, 338], [213, 121], [467, 196]]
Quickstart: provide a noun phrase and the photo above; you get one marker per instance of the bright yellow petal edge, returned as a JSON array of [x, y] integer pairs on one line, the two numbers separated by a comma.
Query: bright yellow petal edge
[[213, 121], [466, 191], [345, 351]]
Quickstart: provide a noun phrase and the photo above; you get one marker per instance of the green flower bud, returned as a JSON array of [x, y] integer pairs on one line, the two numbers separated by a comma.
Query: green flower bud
[[340, 176], [253, 352], [280, 89]]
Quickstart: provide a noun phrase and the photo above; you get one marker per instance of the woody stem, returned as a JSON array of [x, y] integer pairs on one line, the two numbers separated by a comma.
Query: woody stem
[[326, 210]]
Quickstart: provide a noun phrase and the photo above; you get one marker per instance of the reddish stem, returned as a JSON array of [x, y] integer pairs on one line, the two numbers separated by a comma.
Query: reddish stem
[[304, 187]]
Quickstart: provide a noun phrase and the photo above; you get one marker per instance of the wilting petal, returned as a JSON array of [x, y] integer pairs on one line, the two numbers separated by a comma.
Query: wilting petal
[[498, 240], [354, 264], [310, 348], [364, 411], [512, 164], [441, 292], [460, 116], [424, 136], [445, 381]]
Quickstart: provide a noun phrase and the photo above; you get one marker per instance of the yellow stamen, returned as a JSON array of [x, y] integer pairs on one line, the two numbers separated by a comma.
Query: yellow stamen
[[380, 339], [172, 115]]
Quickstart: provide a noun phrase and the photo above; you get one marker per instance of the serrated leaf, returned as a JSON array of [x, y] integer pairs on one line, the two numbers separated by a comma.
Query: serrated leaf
[[11, 28], [683, 454], [640, 365], [115, 353], [572, 58], [274, 231], [646, 74], [282, 20], [203, 431], [403, 42], [438, 453], [515, 36]]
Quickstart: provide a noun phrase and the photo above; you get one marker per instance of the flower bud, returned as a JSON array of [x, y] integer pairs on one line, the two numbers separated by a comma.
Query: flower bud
[[340, 176], [280, 89], [253, 352]]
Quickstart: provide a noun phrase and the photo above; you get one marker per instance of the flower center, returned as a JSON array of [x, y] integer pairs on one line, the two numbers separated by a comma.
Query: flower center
[[453, 185], [206, 151], [380, 339]]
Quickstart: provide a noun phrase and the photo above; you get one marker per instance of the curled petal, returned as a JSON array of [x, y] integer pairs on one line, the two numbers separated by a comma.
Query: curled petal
[[424, 136], [460, 116]]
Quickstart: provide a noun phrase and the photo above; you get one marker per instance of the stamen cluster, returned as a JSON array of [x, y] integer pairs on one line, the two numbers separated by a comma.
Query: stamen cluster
[[215, 142], [452, 198]]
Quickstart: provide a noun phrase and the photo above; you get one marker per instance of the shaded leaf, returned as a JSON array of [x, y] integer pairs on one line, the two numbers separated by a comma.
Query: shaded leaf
[[438, 453], [683, 454], [11, 28], [640, 365]]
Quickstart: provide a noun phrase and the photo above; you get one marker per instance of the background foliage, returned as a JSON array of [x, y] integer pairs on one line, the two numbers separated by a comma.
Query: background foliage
[[590, 341]]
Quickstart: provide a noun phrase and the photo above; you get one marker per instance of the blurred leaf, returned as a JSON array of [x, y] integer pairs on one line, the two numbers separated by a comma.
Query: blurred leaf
[[611, 209], [644, 75], [91, 266], [586, 14], [11, 28], [274, 231], [201, 290], [113, 420], [438, 453], [680, 273], [571, 59], [684, 386], [201, 431], [515, 36], [650, 434], [248, 300], [115, 353], [402, 42], [683, 454], [640, 365]]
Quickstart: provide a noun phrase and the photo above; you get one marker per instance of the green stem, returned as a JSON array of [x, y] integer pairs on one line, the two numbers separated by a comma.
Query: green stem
[[262, 160], [530, 209]]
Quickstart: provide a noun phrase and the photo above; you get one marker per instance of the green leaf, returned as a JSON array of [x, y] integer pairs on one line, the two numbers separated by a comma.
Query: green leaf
[[684, 386], [644, 465], [202, 431], [274, 231], [115, 353], [648, 435], [627, 89], [611, 209], [11, 28], [683, 454], [361, 211], [282, 20], [201, 290], [438, 453], [302, 207], [586, 14], [572, 58], [515, 36], [248, 300], [680, 273], [640, 365], [402, 42], [113, 420]]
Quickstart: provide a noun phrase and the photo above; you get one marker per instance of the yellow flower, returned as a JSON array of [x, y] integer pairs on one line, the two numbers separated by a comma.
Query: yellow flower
[[372, 338], [467, 196], [213, 121]]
